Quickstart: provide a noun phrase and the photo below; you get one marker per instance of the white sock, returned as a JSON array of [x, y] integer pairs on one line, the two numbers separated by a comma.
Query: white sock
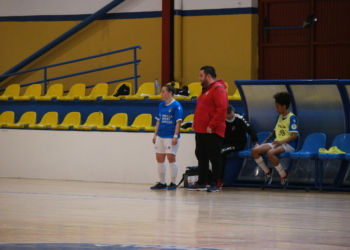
[[262, 164], [173, 171], [280, 170], [162, 172]]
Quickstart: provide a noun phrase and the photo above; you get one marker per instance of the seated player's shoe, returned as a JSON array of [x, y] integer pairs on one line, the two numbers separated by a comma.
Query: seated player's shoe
[[220, 184], [159, 186], [213, 188], [172, 186], [284, 180], [268, 176], [197, 187]]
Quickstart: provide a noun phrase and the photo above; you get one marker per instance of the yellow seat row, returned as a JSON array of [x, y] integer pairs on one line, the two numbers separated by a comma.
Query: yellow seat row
[[73, 120], [77, 91]]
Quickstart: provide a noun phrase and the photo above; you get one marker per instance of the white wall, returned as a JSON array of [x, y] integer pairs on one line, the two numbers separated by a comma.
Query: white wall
[[72, 7], [80, 7], [88, 156]]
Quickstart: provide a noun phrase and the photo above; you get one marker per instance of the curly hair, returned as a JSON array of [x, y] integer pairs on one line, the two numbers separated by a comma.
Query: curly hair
[[283, 98]]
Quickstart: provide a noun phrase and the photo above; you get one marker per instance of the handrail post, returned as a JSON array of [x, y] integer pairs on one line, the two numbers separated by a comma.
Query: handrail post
[[45, 80], [135, 71]]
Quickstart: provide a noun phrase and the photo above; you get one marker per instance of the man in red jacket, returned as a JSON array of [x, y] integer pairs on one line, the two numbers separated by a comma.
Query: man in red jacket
[[209, 126]]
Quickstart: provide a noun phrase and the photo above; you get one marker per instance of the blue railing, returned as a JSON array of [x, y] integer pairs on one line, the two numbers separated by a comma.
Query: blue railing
[[46, 80]]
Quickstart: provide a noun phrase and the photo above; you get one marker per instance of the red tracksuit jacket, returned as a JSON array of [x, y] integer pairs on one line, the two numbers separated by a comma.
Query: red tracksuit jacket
[[211, 109]]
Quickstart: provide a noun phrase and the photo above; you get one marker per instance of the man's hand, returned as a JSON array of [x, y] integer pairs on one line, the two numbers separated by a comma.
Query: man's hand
[[154, 139], [209, 131]]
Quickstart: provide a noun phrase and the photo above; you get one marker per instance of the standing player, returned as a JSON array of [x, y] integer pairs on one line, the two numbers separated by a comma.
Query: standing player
[[167, 136], [286, 132], [209, 126]]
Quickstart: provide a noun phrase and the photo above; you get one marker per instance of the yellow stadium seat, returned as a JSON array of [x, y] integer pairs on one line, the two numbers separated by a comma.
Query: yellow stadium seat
[[31, 92], [11, 91], [117, 121], [116, 98], [195, 90], [70, 120], [94, 119], [54, 91], [187, 119], [75, 92], [235, 97], [99, 90], [144, 90], [7, 118], [140, 122], [49, 119], [26, 119], [158, 97]]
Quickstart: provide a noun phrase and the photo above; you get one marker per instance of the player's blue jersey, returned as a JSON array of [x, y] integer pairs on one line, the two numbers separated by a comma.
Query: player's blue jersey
[[168, 115]]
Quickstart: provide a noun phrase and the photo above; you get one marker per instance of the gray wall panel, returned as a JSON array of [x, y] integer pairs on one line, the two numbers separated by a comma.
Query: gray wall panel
[[320, 110], [261, 105]]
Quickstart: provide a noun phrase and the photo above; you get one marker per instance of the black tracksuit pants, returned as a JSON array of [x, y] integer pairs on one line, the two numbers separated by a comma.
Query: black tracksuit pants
[[208, 147]]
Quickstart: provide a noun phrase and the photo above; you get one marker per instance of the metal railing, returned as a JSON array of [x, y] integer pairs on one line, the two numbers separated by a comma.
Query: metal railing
[[46, 80]]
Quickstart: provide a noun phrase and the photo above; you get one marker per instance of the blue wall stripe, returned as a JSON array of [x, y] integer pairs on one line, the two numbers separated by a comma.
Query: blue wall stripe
[[217, 12], [130, 15]]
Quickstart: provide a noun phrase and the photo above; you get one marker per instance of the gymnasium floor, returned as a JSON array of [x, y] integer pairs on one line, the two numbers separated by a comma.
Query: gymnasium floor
[[129, 216]]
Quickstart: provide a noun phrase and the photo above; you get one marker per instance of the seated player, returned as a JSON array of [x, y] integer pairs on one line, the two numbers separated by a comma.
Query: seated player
[[286, 132], [235, 137]]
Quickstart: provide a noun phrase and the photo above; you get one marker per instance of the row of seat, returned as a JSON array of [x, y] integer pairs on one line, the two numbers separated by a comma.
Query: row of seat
[[95, 121], [100, 90], [310, 151]]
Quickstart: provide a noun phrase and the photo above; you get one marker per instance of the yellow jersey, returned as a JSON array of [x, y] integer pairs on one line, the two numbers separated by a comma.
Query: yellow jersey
[[285, 126]]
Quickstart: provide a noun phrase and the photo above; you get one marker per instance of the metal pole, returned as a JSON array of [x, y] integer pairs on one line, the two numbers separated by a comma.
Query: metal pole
[[45, 81], [135, 71]]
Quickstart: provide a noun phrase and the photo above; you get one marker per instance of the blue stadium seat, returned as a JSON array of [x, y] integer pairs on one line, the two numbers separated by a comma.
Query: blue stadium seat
[[343, 143], [347, 156], [310, 148]]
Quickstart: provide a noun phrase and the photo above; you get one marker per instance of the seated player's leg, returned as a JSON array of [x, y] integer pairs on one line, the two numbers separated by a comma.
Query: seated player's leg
[[274, 160], [261, 149], [256, 153]]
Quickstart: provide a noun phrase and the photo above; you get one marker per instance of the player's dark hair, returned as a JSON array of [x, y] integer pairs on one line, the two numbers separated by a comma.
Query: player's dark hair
[[209, 70], [283, 98], [170, 88], [230, 109]]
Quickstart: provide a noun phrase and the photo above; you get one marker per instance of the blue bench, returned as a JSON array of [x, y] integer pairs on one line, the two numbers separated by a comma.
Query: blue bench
[[342, 141], [309, 151]]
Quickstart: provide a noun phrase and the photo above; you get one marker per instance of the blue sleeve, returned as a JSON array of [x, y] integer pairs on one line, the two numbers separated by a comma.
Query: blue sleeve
[[293, 124], [178, 112]]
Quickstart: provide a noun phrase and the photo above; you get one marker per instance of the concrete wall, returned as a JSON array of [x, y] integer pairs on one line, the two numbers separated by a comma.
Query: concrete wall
[[87, 156]]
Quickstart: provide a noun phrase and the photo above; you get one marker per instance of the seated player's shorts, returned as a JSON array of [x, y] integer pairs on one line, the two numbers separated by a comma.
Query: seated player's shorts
[[286, 146], [164, 146]]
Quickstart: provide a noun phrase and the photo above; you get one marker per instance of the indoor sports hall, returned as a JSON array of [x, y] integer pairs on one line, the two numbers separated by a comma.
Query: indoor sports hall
[[80, 88]]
